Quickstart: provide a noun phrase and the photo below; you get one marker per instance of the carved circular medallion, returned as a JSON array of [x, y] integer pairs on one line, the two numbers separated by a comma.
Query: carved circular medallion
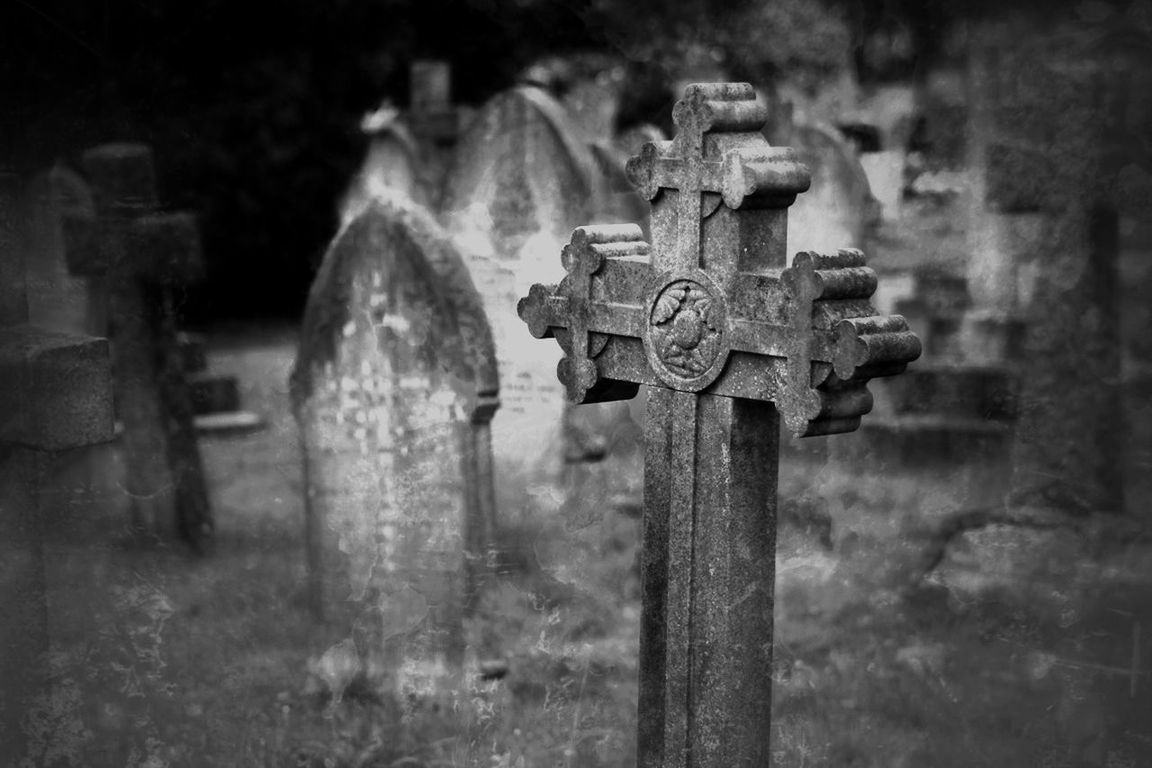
[[687, 324]]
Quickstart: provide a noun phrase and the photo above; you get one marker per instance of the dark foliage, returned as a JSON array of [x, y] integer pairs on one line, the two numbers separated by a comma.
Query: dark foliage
[[251, 107]]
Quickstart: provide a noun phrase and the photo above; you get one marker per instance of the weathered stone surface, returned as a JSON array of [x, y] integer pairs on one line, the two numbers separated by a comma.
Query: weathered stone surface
[[1052, 97], [58, 299], [392, 164], [885, 173], [410, 152], [520, 184], [839, 209], [143, 254], [58, 389], [393, 389], [432, 115], [56, 395], [730, 340]]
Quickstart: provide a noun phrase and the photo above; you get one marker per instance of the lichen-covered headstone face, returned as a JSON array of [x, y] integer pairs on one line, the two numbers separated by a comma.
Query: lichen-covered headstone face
[[521, 184], [394, 368]]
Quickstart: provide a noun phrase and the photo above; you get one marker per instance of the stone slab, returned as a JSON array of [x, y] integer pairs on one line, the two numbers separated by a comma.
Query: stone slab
[[62, 392]]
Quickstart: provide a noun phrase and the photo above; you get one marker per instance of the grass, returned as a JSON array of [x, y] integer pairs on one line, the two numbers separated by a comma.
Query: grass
[[1017, 651]]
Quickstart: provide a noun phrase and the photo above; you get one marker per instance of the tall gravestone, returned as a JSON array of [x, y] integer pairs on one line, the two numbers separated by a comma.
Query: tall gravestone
[[730, 342], [143, 255], [521, 182], [57, 394], [394, 386]]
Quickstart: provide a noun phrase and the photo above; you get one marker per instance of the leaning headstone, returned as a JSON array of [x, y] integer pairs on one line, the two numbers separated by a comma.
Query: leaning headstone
[[521, 182], [144, 254], [57, 395], [393, 388], [730, 341]]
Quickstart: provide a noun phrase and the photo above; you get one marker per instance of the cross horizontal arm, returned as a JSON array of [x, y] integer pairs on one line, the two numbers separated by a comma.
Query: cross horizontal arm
[[547, 309], [805, 338]]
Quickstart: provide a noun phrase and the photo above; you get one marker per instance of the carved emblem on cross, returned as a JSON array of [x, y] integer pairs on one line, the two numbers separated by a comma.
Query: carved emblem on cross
[[701, 306]]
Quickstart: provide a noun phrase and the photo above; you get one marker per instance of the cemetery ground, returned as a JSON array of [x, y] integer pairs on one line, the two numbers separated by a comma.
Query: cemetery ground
[[1022, 647]]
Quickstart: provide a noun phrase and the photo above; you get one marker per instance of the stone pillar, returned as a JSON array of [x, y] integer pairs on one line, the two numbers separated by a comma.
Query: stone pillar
[[144, 254], [57, 394]]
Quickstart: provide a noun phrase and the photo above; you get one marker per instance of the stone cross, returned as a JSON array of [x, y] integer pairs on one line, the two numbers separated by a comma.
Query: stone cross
[[56, 394], [145, 254], [730, 341]]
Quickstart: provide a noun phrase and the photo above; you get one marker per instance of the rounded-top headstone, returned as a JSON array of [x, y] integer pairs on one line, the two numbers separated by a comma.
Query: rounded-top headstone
[[519, 171], [391, 242], [395, 361], [521, 183], [839, 208]]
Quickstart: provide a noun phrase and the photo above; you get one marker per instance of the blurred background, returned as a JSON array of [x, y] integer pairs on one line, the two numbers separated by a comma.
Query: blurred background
[[321, 503]]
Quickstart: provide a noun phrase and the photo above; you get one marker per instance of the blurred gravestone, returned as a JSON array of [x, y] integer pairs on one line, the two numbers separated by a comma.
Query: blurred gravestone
[[144, 254], [393, 389], [216, 400], [411, 152], [435, 122], [61, 300], [57, 395], [57, 298], [839, 209], [521, 182], [1025, 371], [1048, 156], [884, 170], [392, 163]]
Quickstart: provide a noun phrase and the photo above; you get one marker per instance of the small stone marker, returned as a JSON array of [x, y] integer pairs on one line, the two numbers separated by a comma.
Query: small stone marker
[[730, 341], [216, 402], [394, 388], [57, 394], [144, 254]]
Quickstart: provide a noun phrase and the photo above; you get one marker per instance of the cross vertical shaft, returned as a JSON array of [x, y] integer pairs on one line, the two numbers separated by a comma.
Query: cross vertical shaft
[[707, 583]]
